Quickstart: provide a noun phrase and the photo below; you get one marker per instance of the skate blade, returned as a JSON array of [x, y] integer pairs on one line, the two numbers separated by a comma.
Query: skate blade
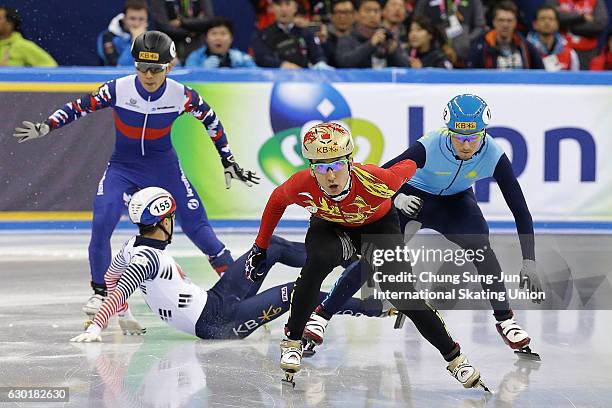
[[482, 384], [307, 353], [399, 320], [526, 354], [288, 380]]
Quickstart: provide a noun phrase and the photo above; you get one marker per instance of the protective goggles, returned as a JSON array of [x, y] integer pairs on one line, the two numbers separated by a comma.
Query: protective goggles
[[323, 168], [150, 66], [472, 137]]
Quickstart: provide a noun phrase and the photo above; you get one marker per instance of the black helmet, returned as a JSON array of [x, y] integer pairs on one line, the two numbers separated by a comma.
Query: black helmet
[[153, 46]]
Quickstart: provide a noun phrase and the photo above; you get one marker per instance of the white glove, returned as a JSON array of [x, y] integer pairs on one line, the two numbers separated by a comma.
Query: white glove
[[31, 131], [129, 325], [408, 204], [529, 279], [92, 334]]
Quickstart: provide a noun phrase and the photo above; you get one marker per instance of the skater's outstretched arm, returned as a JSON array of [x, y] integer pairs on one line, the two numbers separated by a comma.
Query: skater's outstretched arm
[[199, 109], [511, 190], [101, 98], [143, 265], [416, 153]]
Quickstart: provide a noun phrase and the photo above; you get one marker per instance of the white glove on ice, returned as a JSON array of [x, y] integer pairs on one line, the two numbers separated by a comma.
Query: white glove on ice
[[408, 204], [529, 278], [31, 131], [92, 334], [129, 325]]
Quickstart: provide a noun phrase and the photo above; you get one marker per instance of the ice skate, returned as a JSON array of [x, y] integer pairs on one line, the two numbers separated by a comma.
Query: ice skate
[[517, 338], [291, 359], [464, 372], [93, 305], [313, 332]]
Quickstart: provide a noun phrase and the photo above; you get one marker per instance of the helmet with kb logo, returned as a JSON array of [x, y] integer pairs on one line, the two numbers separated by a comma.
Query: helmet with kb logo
[[467, 114]]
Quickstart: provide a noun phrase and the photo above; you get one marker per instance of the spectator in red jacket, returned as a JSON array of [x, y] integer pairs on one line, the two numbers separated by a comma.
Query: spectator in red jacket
[[556, 53], [582, 22], [603, 62]]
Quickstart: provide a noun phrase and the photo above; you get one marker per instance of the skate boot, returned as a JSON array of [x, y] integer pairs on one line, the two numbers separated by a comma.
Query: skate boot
[[314, 331], [95, 301], [93, 305], [221, 261], [517, 338], [465, 373], [291, 359]]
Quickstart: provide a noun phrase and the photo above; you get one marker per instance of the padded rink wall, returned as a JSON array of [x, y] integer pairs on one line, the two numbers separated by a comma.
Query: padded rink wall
[[555, 128]]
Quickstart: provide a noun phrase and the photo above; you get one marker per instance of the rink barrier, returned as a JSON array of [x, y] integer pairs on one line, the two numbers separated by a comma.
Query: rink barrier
[[84, 79], [97, 75]]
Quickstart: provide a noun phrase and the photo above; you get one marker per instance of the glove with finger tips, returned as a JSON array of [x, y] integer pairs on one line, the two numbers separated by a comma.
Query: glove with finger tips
[[91, 335], [408, 204], [529, 279], [234, 171], [31, 131], [255, 265]]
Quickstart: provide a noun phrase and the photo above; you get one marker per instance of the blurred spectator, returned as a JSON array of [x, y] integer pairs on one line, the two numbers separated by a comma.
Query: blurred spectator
[[504, 47], [217, 53], [393, 17], [284, 44], [15, 50], [462, 21], [425, 40], [521, 23], [121, 31], [603, 62], [183, 20], [553, 48], [342, 19], [582, 21], [370, 45], [311, 10], [264, 13]]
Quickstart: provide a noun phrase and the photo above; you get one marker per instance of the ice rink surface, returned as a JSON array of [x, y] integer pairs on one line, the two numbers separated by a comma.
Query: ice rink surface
[[364, 362]]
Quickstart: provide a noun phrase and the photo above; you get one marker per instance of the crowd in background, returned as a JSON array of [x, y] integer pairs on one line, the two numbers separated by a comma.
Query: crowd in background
[[329, 34]]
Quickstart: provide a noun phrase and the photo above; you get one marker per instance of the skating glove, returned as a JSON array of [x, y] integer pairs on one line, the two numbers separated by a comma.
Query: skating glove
[[255, 264], [234, 171], [408, 204], [92, 334], [31, 131], [529, 279]]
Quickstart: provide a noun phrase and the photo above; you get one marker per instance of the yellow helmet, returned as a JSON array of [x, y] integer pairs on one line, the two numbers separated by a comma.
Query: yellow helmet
[[327, 141]]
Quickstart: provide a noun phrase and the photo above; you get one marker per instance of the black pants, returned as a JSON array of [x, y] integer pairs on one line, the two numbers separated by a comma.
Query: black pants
[[459, 218], [327, 246]]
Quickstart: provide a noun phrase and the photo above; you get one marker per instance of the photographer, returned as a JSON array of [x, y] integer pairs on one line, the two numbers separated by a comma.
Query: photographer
[[370, 45]]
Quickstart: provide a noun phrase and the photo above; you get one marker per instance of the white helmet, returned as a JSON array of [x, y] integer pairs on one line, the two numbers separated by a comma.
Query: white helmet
[[151, 205]]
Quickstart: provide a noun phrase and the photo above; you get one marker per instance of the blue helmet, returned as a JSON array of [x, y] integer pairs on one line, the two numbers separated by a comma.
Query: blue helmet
[[151, 205], [467, 114]]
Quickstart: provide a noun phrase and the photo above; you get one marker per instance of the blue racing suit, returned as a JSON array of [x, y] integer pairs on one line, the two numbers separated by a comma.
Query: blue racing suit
[[144, 157]]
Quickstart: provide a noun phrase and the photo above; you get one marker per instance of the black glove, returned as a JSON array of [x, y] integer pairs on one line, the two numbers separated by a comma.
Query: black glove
[[234, 171], [255, 265]]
